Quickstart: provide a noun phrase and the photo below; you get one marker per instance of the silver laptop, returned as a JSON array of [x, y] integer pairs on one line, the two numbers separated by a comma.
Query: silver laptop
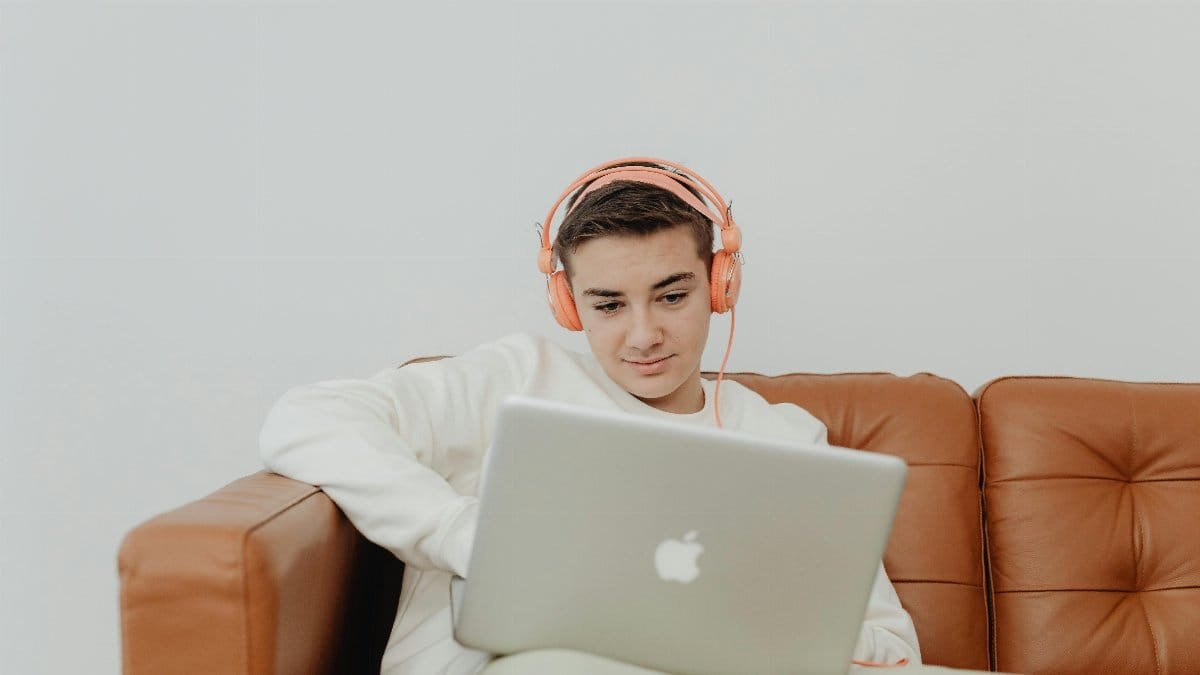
[[682, 549]]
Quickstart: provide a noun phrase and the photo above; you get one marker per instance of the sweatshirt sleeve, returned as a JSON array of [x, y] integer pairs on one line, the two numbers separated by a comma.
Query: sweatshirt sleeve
[[887, 634], [386, 448], [804, 426]]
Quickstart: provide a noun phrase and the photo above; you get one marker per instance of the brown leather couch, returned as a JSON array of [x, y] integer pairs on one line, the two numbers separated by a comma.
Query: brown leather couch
[[1049, 525]]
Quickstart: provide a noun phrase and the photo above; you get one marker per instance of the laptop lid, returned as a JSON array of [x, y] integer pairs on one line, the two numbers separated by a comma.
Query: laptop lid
[[683, 549]]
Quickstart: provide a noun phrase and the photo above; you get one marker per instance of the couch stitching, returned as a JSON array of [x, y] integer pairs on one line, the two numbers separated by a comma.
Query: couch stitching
[[246, 642], [1032, 479], [1097, 590], [1138, 533], [1135, 517], [1082, 378], [1153, 637], [989, 598], [944, 582]]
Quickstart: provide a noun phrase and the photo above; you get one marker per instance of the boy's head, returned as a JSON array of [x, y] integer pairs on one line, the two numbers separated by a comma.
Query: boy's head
[[630, 208], [638, 259]]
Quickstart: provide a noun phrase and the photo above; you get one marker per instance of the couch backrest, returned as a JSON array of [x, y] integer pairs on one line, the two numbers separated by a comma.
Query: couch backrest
[[1093, 496], [935, 555], [1091, 488]]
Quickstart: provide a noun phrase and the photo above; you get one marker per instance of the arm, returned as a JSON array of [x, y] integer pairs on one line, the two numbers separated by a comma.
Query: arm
[[400, 452], [887, 634]]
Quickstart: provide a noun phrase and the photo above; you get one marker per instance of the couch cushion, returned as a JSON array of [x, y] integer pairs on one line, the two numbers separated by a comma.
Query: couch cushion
[[1092, 490], [934, 556]]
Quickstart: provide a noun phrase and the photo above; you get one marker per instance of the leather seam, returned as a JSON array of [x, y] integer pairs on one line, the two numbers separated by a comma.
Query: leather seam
[[1136, 518], [964, 584], [247, 644], [946, 464], [989, 590], [1082, 379], [1029, 479], [1127, 591], [1153, 637]]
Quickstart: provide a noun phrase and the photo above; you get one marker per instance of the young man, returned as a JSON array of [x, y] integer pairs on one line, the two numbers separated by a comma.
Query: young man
[[401, 452]]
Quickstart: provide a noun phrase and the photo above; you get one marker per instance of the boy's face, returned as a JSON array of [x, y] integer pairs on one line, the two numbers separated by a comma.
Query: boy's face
[[644, 306]]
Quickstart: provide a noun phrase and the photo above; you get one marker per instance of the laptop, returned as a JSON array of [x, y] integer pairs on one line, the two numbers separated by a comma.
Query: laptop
[[683, 549]]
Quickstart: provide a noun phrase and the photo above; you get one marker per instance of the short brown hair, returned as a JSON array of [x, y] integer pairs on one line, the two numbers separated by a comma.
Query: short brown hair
[[631, 208]]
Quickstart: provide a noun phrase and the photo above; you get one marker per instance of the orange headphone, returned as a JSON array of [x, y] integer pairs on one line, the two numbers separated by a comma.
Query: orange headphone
[[726, 276], [725, 279]]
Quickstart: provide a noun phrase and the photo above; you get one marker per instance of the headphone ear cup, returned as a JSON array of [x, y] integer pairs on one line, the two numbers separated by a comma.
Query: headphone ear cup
[[725, 282], [561, 302]]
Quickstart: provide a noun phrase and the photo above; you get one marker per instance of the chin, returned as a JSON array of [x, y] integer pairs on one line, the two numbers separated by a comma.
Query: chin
[[650, 388]]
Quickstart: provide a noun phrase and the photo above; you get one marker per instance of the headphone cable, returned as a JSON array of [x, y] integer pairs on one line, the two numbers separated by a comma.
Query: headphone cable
[[724, 361]]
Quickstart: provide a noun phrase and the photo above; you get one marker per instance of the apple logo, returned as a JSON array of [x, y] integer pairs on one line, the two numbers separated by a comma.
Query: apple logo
[[675, 560]]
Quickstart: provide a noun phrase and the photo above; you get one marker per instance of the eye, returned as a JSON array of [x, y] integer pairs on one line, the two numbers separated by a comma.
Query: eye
[[608, 307], [674, 298]]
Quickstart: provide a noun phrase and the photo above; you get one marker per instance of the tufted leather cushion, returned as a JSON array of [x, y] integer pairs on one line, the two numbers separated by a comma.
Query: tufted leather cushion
[[934, 556], [1093, 491]]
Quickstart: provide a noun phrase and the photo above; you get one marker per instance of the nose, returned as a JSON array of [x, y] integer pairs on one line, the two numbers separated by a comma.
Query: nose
[[644, 333]]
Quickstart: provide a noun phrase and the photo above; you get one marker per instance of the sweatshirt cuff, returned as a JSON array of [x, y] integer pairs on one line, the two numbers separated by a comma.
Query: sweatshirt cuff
[[456, 545], [890, 649]]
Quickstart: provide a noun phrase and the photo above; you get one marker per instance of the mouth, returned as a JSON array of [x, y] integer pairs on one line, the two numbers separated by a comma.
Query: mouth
[[649, 367]]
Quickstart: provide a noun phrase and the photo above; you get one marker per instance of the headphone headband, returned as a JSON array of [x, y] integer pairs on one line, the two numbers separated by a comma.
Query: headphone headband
[[669, 180], [657, 177]]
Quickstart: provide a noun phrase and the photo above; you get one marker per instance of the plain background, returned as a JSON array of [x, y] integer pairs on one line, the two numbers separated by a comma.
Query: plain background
[[203, 204]]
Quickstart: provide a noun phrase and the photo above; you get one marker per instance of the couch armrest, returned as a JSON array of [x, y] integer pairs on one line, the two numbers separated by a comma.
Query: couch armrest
[[265, 575]]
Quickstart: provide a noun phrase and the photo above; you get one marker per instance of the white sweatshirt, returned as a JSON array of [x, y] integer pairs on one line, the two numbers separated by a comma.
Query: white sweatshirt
[[401, 453]]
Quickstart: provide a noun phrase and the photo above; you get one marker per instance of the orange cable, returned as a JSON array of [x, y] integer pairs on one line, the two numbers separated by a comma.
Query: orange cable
[[721, 373]]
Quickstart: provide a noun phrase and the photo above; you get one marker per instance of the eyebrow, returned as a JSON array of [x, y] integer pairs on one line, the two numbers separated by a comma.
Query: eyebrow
[[681, 276]]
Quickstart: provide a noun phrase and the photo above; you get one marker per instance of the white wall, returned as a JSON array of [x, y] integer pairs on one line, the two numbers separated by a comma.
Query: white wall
[[203, 204]]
